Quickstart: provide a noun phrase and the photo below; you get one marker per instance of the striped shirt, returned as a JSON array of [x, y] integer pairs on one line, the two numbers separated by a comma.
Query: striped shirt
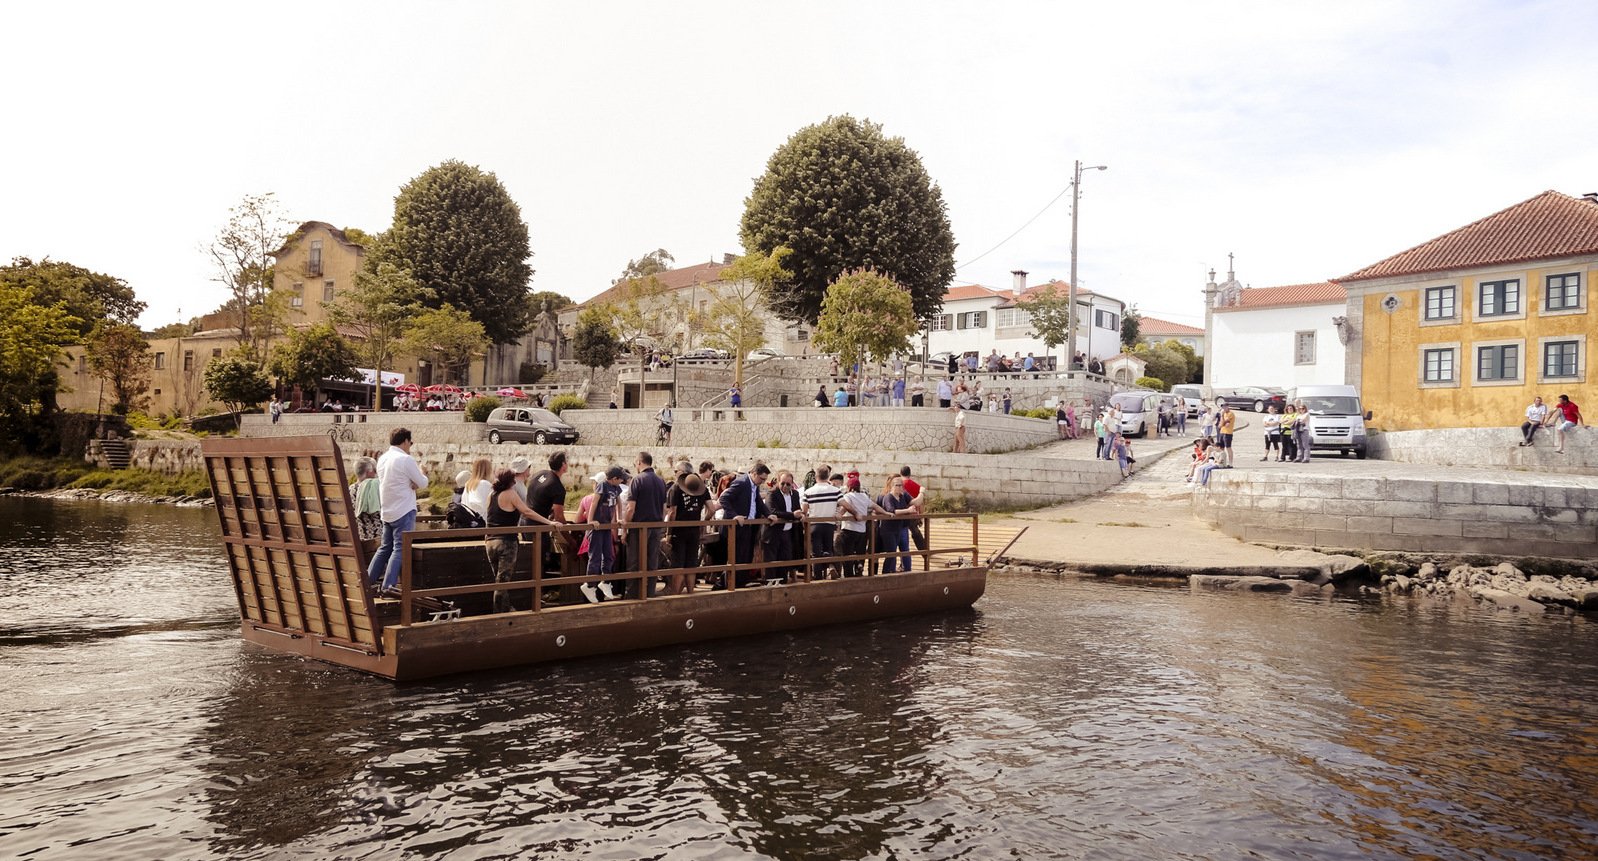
[[822, 499]]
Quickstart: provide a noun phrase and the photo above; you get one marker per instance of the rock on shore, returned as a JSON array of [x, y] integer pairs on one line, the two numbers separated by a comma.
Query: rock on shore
[[118, 496], [1503, 586]]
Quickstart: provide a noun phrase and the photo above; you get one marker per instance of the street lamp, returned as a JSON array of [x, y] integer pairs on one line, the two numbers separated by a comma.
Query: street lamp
[[1076, 198]]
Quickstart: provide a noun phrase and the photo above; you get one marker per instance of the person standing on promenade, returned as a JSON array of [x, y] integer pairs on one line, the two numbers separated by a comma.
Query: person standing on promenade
[[546, 494], [1289, 441], [1207, 421], [735, 397], [398, 479], [1273, 433], [1101, 433], [1569, 417], [1008, 400], [1181, 418], [898, 391], [1063, 419], [959, 431], [1227, 428], [685, 501], [1536, 414], [918, 391], [945, 392], [1301, 433], [275, 408], [613, 397]]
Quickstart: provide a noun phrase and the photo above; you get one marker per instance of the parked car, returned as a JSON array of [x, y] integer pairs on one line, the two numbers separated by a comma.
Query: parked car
[[766, 353], [705, 353], [1255, 398], [1192, 397], [528, 424], [1139, 411]]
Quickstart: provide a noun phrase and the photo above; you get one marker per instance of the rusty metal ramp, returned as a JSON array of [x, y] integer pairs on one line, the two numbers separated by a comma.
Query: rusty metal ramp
[[289, 529]]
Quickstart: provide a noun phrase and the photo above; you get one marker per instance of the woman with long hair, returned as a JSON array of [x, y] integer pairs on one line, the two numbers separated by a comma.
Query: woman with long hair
[[893, 536], [505, 508]]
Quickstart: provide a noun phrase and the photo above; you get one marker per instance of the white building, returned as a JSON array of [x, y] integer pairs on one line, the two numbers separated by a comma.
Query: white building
[[1276, 336], [978, 320]]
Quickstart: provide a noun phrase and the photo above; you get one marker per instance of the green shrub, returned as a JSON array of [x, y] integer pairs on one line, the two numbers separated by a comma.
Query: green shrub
[[565, 402], [1035, 413], [477, 409], [1157, 385], [140, 421], [38, 473], [187, 483]]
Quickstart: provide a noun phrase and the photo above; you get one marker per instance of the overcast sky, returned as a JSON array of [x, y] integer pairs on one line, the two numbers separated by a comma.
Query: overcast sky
[[1311, 139]]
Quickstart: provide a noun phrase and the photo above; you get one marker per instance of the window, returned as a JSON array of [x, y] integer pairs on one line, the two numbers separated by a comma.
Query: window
[[942, 323], [83, 363], [216, 353], [188, 360], [160, 361], [327, 291], [1564, 292], [1441, 302], [298, 299], [1304, 350], [1107, 320], [1559, 358], [1498, 297], [1500, 362], [1439, 365], [972, 320], [1010, 317], [313, 265]]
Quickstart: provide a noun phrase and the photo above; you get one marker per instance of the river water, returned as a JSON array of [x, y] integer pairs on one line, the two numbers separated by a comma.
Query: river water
[[1060, 719]]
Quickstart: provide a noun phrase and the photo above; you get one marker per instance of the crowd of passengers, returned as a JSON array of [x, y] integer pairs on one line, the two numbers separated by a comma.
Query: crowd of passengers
[[766, 515]]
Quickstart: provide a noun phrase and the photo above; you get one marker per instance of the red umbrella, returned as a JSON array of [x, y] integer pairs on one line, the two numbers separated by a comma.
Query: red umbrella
[[435, 388], [511, 393], [453, 390], [409, 388]]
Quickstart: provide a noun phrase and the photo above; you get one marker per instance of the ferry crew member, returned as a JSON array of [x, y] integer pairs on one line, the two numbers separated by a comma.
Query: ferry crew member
[[398, 479], [506, 508]]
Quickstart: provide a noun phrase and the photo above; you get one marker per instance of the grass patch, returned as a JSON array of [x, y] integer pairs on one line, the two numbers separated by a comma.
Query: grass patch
[[1132, 525], [190, 482], [41, 473], [1065, 520]]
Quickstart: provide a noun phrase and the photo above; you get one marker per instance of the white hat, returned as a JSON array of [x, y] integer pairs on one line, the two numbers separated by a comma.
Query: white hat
[[462, 477], [520, 465]]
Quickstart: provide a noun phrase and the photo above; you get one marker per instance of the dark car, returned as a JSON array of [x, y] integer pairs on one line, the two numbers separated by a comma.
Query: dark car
[[1255, 398], [528, 424]]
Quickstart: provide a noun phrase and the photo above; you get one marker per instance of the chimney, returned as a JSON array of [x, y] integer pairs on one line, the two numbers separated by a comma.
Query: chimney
[[1019, 281], [727, 258]]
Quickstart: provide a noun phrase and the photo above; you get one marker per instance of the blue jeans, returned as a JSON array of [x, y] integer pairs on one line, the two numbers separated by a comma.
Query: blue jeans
[[894, 539], [388, 554]]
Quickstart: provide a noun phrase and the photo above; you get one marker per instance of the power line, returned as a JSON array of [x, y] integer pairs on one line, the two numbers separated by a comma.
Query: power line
[[1018, 230]]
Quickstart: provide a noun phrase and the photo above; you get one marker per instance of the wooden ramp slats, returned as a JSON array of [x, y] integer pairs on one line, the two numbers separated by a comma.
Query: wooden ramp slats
[[955, 535], [297, 565]]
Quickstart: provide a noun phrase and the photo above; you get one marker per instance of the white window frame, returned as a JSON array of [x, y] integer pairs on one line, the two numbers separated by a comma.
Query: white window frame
[[1581, 358], [1520, 362], [1543, 309], [1298, 347], [1520, 305], [298, 299], [1425, 304], [1453, 347], [941, 323], [1012, 318], [1114, 319], [971, 320]]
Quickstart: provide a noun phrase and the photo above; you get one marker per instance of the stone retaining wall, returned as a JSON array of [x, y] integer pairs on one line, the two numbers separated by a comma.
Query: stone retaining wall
[[880, 428], [1490, 447], [1542, 517], [368, 427], [969, 480]]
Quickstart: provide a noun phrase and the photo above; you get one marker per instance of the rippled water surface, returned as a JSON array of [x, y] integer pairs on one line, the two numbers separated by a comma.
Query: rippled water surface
[[1061, 719]]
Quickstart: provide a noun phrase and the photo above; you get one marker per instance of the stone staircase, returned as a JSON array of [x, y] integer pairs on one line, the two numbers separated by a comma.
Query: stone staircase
[[116, 453]]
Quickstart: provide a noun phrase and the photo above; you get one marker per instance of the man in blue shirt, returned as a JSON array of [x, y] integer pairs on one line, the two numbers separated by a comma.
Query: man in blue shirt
[[945, 393], [898, 391]]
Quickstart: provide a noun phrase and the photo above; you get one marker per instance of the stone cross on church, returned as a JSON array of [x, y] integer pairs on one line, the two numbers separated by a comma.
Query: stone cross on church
[[1217, 296]]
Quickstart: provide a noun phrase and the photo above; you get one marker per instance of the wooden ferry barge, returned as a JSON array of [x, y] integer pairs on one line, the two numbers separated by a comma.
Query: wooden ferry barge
[[299, 571]]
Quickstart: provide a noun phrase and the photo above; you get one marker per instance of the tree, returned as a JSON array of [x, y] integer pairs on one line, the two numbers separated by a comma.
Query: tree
[[88, 296], [1195, 365], [32, 337], [459, 233], [1169, 365], [376, 307], [555, 301], [119, 355], [237, 381], [639, 316], [844, 197], [448, 338], [175, 330], [1131, 323], [242, 255], [594, 342], [736, 318], [1050, 309], [653, 263], [866, 315], [312, 355]]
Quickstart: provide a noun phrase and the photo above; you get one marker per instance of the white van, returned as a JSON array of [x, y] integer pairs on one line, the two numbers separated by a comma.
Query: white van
[[1335, 418]]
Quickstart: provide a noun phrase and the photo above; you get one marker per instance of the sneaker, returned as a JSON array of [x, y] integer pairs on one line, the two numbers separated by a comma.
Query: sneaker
[[590, 593], [607, 590]]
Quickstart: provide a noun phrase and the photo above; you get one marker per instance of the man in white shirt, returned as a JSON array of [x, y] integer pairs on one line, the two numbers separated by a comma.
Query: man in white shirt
[[398, 479], [945, 393], [1536, 414]]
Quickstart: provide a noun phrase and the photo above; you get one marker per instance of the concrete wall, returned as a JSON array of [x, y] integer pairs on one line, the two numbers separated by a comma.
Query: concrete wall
[[1490, 447], [1548, 517], [882, 428], [370, 428], [970, 480]]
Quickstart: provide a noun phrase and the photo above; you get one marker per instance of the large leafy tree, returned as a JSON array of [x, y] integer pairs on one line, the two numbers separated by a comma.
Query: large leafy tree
[[866, 315], [594, 341], [237, 381], [1131, 328], [843, 197], [242, 256], [1050, 310], [32, 337], [736, 318], [313, 355], [1166, 364], [653, 263], [448, 338], [88, 296], [459, 233], [119, 355]]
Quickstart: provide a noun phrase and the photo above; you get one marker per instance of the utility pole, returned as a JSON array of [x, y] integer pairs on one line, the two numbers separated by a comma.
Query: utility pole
[[1076, 199]]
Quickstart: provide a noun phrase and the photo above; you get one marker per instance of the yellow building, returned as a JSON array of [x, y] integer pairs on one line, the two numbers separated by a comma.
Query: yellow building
[[317, 262], [1464, 330]]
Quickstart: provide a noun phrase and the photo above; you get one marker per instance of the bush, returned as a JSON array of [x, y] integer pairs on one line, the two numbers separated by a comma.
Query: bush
[[477, 409], [1152, 383], [38, 473], [1036, 413], [187, 483], [565, 402]]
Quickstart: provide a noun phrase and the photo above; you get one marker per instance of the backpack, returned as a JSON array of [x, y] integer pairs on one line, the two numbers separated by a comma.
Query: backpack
[[460, 517]]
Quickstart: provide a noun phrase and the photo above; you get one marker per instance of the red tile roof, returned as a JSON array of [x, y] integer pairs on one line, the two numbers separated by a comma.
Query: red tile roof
[[971, 291], [673, 279], [1319, 293], [1548, 225], [1156, 326]]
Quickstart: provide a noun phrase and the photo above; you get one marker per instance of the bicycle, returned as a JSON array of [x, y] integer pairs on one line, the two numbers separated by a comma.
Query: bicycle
[[662, 434], [341, 434]]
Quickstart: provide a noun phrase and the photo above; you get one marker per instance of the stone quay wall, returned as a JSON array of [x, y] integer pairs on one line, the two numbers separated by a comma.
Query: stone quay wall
[[1465, 514], [971, 480], [1490, 447]]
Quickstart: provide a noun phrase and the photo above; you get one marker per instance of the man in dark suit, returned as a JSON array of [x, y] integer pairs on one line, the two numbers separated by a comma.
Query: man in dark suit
[[778, 538], [744, 504]]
